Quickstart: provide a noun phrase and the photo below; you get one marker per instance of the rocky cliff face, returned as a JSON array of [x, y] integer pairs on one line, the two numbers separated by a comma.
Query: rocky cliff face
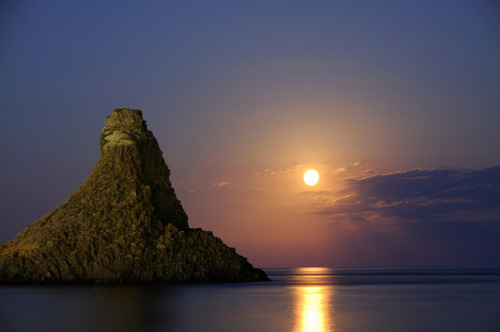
[[123, 225]]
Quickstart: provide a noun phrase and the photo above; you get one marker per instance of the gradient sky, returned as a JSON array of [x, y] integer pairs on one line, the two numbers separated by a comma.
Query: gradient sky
[[395, 103]]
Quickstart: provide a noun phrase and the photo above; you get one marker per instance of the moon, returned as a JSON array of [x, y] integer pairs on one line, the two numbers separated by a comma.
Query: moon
[[311, 177]]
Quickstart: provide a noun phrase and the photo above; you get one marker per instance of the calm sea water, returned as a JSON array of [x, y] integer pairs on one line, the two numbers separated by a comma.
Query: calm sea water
[[299, 299]]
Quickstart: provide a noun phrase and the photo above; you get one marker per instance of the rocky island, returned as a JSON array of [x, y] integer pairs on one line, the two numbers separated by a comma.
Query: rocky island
[[123, 225]]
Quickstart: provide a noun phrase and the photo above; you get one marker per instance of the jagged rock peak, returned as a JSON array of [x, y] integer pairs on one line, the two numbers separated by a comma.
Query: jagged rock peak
[[133, 162], [123, 225], [124, 127]]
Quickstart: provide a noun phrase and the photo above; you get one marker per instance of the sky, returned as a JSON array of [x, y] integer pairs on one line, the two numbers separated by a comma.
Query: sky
[[395, 103]]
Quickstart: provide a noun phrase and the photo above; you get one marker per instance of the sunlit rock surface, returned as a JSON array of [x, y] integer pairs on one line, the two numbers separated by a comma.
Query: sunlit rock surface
[[123, 225]]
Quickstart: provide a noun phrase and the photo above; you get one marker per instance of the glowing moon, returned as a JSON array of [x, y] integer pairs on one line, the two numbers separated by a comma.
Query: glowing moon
[[311, 177]]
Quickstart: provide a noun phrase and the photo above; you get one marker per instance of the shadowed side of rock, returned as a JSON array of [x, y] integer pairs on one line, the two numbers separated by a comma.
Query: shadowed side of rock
[[123, 225], [131, 160]]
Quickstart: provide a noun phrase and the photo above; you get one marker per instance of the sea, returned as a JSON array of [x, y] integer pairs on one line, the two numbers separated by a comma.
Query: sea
[[297, 299]]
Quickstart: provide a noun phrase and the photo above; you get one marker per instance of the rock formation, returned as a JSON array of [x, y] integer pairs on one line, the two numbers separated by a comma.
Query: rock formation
[[123, 225]]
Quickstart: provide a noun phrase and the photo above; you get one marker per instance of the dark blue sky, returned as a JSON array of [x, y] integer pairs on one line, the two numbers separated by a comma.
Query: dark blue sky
[[396, 103]]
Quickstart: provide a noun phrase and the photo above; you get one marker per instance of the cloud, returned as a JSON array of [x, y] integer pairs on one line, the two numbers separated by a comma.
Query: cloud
[[326, 168], [344, 169], [222, 184], [418, 217], [415, 195], [279, 171]]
